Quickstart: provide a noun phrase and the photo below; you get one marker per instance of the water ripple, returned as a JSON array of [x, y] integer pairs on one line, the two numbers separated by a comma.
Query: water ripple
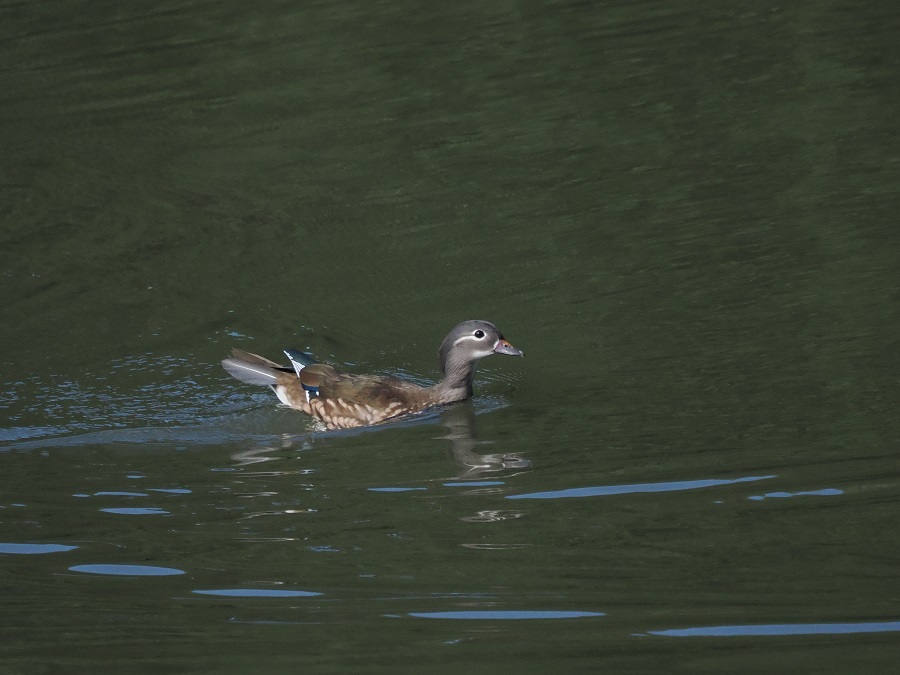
[[783, 629], [505, 615], [826, 492], [148, 511], [127, 570], [606, 490], [34, 549], [256, 593]]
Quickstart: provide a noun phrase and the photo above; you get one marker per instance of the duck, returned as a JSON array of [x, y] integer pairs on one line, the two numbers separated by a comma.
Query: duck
[[345, 401]]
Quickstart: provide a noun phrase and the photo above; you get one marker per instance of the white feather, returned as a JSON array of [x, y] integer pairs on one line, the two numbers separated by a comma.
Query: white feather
[[251, 373]]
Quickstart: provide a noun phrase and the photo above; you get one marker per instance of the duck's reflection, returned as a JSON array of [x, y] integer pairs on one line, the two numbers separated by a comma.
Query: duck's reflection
[[459, 421], [263, 452]]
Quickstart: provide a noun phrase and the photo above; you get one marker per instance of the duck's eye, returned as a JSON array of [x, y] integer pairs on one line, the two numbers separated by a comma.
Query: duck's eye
[[479, 334]]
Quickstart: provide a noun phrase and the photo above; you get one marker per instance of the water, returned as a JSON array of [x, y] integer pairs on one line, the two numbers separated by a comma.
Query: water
[[684, 214]]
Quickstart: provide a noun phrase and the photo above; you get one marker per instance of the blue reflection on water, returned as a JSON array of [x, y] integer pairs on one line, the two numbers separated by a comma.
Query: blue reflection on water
[[605, 490], [149, 511], [395, 489], [783, 629], [173, 491], [505, 614], [323, 549], [257, 593], [475, 483], [127, 570], [34, 549], [120, 494], [827, 492], [20, 433]]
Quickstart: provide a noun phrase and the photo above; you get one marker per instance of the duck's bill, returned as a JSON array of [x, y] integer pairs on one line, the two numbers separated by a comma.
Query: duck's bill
[[503, 347]]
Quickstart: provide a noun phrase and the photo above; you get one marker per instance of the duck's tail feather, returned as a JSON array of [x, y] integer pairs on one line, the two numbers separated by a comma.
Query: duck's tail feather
[[251, 373], [241, 355]]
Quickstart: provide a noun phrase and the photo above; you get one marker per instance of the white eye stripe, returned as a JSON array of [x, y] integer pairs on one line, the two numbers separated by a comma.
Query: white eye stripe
[[471, 338]]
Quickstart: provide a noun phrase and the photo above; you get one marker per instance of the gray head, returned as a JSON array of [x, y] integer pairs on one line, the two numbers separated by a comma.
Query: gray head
[[466, 343]]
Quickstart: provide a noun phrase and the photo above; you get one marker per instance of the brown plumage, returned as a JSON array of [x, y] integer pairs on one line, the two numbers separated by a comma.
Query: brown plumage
[[343, 401]]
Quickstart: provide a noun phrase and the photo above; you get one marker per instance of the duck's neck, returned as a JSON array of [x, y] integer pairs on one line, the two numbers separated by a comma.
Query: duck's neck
[[457, 382]]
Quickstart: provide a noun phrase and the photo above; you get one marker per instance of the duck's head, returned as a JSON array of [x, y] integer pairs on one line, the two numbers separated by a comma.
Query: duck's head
[[466, 344]]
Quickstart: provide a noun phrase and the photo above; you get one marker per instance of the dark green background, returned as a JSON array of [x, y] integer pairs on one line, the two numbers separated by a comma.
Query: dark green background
[[684, 213]]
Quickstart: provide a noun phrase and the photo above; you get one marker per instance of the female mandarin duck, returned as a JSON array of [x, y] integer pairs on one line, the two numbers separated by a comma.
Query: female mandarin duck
[[343, 401]]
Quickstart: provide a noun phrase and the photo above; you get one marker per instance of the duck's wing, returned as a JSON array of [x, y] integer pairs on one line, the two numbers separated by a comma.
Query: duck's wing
[[373, 391]]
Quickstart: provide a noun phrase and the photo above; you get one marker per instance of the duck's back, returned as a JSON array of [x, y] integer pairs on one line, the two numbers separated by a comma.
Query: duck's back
[[345, 401]]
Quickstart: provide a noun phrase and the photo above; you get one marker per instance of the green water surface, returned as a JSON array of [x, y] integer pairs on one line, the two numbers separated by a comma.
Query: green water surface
[[684, 213]]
